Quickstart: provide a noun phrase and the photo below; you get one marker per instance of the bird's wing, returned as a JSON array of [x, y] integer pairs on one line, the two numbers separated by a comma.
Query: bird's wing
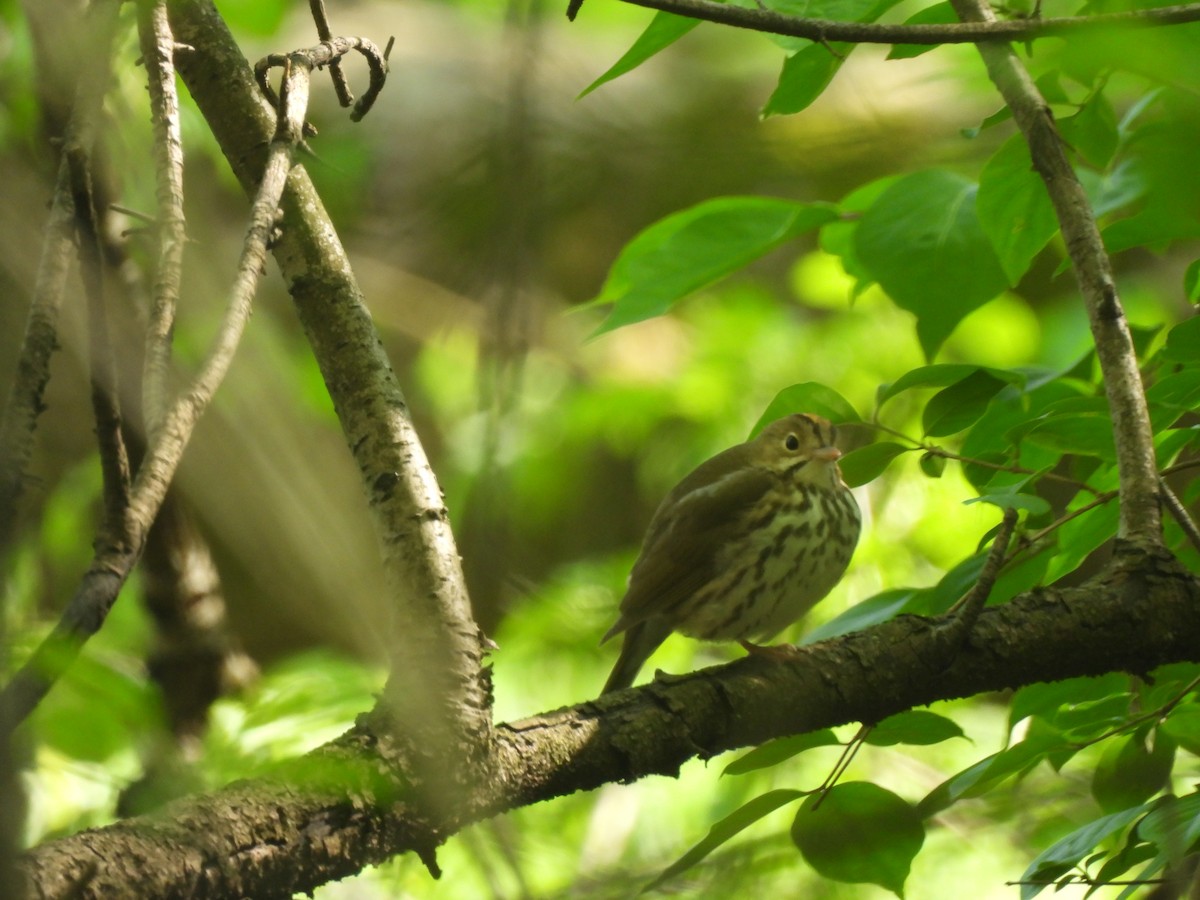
[[679, 554]]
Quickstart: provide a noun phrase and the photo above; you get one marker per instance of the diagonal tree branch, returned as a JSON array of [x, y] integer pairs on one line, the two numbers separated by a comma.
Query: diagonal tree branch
[[25, 400], [437, 688], [114, 457], [967, 32], [1141, 518], [158, 52], [118, 549], [347, 805]]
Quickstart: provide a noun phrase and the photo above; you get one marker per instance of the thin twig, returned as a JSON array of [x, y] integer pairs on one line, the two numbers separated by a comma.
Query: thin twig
[[324, 54], [935, 450], [340, 87], [975, 32], [116, 555], [972, 603], [1141, 519], [26, 402], [158, 48], [1151, 716], [106, 407], [1066, 517], [1179, 511]]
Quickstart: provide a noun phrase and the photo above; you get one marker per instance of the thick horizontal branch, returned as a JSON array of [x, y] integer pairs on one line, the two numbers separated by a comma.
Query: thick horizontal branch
[[346, 806], [771, 22]]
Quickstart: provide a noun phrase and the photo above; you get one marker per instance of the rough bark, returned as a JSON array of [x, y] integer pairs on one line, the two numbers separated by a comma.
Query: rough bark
[[348, 804]]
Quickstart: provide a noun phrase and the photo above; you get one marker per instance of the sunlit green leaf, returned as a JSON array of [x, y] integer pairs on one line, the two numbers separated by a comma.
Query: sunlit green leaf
[[1085, 434], [741, 818], [809, 397], [933, 464], [837, 237], [880, 608], [917, 726], [1093, 130], [1191, 281], [693, 248], [772, 753], [1172, 396], [1014, 209], [943, 374], [867, 463], [1045, 699], [858, 833], [1082, 535], [1183, 341], [1014, 500], [923, 243], [664, 29], [960, 405], [806, 74], [1183, 724]]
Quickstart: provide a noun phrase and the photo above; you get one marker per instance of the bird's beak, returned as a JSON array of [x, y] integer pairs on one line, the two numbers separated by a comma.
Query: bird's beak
[[828, 454]]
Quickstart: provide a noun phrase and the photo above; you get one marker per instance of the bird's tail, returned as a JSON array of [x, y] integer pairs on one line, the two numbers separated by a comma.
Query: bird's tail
[[639, 642]]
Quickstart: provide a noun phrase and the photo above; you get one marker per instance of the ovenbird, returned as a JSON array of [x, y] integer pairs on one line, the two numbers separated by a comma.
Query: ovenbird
[[743, 546]]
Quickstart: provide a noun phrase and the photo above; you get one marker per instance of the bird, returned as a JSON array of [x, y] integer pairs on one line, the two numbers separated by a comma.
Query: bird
[[742, 547]]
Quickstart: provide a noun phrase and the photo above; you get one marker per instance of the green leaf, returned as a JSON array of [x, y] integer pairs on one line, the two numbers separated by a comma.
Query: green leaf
[[883, 607], [837, 237], [806, 74], [807, 397], [938, 14], [1173, 395], [1183, 724], [867, 463], [741, 818], [1062, 856], [990, 771], [1091, 719], [959, 406], [1093, 130], [1044, 700], [1173, 823], [1191, 281], [933, 465], [664, 29], [859, 833], [1014, 209], [1084, 434], [1079, 537], [943, 374], [889, 604], [772, 753], [1183, 341], [1130, 771], [693, 248], [922, 241], [1036, 505], [917, 726]]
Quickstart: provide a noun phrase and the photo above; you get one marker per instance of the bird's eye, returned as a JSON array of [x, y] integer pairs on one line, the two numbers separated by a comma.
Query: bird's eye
[[792, 442]]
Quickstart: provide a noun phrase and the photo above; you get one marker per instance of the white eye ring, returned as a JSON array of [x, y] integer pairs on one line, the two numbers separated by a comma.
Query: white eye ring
[[792, 443]]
